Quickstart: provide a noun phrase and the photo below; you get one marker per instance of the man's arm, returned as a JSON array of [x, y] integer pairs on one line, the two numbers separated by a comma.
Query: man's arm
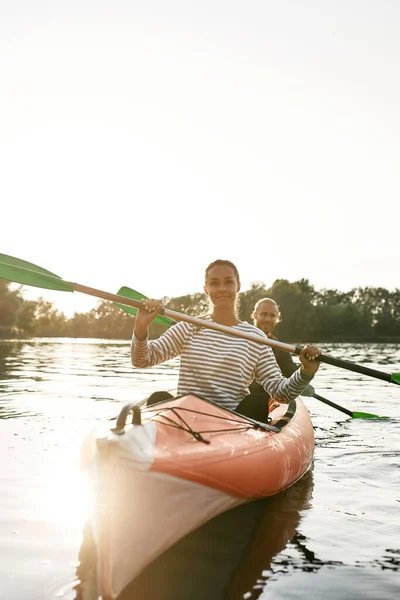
[[285, 362], [288, 366]]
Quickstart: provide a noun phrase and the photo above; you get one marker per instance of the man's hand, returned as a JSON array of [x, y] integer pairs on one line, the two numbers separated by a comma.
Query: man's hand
[[307, 358]]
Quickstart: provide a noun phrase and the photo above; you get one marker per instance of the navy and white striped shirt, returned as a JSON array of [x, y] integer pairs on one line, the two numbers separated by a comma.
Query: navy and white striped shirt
[[218, 366]]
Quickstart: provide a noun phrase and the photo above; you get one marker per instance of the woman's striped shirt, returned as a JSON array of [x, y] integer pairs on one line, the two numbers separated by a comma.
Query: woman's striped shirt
[[218, 366]]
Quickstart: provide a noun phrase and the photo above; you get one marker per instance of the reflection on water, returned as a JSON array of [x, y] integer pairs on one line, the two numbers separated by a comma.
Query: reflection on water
[[334, 534], [277, 527]]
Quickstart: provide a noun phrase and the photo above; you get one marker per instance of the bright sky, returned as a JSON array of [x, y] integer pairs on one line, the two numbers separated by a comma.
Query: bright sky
[[140, 140]]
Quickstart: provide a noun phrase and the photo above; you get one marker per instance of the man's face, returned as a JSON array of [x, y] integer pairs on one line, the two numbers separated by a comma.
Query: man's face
[[266, 317]]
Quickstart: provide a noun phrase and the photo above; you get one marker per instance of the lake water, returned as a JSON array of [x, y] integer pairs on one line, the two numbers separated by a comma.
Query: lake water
[[334, 535]]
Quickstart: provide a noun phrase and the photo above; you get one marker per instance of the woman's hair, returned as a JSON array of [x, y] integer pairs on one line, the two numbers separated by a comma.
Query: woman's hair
[[223, 263], [262, 300]]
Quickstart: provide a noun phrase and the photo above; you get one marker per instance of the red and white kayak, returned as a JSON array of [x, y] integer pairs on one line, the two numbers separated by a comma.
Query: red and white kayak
[[180, 463]]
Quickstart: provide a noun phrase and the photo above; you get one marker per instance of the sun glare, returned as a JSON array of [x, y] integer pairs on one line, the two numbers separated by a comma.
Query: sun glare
[[64, 499]]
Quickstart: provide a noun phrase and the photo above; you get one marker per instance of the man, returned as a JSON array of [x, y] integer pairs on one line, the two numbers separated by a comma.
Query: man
[[266, 315]]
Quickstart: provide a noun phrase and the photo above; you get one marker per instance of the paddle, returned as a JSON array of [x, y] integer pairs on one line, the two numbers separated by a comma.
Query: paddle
[[130, 293], [61, 285], [346, 411], [16, 270], [134, 295]]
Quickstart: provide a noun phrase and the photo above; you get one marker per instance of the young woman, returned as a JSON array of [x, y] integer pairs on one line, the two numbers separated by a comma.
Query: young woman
[[215, 365]]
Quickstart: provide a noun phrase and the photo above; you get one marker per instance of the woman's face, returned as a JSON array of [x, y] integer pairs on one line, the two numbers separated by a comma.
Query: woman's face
[[222, 286]]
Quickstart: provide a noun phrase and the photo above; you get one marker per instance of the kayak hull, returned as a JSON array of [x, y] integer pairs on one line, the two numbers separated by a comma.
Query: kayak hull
[[188, 461]]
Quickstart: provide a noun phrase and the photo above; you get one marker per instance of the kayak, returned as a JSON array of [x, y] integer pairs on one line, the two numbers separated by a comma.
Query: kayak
[[178, 464]]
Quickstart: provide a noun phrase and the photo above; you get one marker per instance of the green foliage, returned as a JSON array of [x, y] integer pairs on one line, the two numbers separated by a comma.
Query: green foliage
[[362, 314], [296, 302], [105, 321], [26, 322], [48, 321], [191, 304], [9, 304], [341, 322], [80, 325]]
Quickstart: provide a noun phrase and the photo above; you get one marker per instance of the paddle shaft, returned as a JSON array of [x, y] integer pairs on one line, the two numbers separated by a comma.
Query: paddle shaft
[[344, 410], [345, 364]]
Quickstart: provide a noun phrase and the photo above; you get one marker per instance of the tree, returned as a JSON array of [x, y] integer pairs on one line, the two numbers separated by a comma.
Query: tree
[[109, 321], [80, 326], [49, 322], [296, 301], [384, 307], [26, 322], [191, 304], [9, 303]]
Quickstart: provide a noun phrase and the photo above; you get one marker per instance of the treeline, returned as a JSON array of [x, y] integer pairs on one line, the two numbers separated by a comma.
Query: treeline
[[369, 314]]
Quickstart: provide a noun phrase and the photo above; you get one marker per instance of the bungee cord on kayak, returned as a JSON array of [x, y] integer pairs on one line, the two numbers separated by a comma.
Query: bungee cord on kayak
[[243, 424]]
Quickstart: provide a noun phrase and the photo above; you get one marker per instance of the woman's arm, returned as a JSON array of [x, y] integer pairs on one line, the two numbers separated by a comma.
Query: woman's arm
[[168, 345], [145, 315]]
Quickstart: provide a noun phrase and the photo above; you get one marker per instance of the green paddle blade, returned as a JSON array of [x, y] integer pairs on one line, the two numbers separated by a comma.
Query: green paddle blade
[[395, 378], [20, 271], [134, 295], [362, 415], [17, 262], [346, 411]]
